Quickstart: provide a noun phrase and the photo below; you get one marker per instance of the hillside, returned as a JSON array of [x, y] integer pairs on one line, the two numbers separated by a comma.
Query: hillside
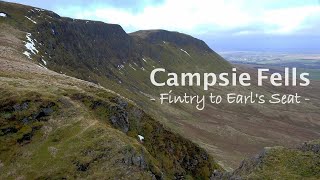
[[56, 126], [69, 69], [278, 162]]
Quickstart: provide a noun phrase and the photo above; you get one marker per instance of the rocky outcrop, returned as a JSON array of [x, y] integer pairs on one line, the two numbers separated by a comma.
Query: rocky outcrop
[[278, 163], [119, 118], [133, 158], [313, 146], [24, 119], [178, 156]]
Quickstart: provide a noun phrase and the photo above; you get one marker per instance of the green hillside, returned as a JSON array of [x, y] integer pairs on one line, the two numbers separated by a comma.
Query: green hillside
[[280, 163], [76, 102], [56, 126]]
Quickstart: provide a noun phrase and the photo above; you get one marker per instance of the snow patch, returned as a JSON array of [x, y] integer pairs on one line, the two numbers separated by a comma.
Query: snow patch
[[185, 52], [144, 60], [30, 19], [3, 15], [120, 67], [132, 67], [30, 44], [42, 66], [44, 62], [37, 9], [27, 54], [141, 138], [148, 96], [143, 69]]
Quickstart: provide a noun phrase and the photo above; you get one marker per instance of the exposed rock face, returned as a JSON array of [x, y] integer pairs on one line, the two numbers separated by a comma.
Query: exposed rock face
[[247, 166], [107, 42], [132, 158], [23, 119], [313, 146], [21, 107], [119, 119]]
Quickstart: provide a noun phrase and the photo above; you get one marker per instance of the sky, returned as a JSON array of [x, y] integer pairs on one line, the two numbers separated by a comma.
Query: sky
[[264, 25]]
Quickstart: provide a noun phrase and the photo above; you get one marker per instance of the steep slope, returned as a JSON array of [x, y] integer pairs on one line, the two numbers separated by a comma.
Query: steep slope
[[106, 55], [280, 163], [56, 126], [179, 39]]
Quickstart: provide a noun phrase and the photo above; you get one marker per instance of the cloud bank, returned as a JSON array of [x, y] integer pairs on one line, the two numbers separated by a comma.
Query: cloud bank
[[241, 17]]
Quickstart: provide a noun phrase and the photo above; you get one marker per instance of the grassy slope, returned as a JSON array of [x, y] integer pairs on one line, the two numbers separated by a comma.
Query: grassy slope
[[229, 132], [283, 163], [53, 125]]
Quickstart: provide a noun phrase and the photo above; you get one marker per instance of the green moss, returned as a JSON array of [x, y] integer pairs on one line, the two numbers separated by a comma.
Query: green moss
[[171, 152], [283, 163]]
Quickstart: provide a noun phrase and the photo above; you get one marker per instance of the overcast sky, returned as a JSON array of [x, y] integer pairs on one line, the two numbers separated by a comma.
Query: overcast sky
[[223, 24]]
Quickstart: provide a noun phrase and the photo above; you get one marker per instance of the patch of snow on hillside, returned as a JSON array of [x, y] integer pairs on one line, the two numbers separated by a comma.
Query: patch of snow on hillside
[[37, 9], [120, 67], [30, 44], [185, 52], [132, 67], [148, 96], [31, 19], [44, 62], [42, 66], [143, 69], [135, 64], [27, 54], [141, 138], [3, 15], [144, 60]]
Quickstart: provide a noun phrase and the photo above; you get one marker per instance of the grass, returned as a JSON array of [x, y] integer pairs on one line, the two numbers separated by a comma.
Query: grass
[[77, 139], [283, 163], [70, 138], [79, 55], [77, 127]]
